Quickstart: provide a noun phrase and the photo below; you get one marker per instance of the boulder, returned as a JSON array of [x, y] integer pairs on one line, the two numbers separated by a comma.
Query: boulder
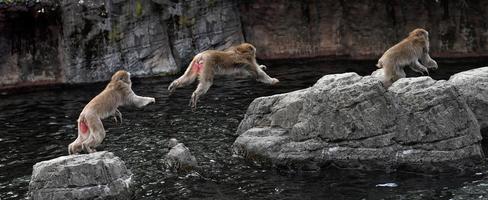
[[351, 121], [473, 84], [99, 175], [179, 157]]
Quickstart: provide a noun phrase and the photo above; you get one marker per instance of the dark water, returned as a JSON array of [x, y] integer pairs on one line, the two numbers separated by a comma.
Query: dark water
[[37, 126]]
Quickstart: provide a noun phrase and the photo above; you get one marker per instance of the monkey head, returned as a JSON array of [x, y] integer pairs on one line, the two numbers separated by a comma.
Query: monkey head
[[419, 32], [246, 48], [122, 76]]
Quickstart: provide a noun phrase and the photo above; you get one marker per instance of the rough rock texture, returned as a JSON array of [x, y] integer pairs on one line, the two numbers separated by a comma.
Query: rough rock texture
[[473, 84], [73, 41], [180, 158], [362, 29], [98, 175], [351, 121]]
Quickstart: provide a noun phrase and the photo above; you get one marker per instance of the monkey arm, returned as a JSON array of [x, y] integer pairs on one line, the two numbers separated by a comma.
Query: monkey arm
[[428, 61], [138, 101], [418, 67]]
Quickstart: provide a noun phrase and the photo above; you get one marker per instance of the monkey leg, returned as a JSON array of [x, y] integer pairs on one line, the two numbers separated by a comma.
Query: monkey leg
[[75, 147], [418, 67], [97, 134], [188, 77], [428, 61], [202, 88]]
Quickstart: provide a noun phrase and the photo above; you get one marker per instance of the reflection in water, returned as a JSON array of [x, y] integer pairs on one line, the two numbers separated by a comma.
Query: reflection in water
[[39, 126]]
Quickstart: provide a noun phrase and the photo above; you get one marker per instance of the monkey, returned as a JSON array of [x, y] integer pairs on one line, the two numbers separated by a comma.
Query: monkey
[[409, 51], [239, 59], [117, 93]]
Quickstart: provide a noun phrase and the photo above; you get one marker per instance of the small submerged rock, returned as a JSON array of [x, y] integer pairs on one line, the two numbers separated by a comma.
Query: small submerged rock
[[99, 175], [179, 157]]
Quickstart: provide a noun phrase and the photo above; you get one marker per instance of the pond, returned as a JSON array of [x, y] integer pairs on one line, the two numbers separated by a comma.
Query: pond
[[39, 125]]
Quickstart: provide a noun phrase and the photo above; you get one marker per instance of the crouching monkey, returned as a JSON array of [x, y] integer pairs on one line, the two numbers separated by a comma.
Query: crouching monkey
[[90, 128], [407, 52]]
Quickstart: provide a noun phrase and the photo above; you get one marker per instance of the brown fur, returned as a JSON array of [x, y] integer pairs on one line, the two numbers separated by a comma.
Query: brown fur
[[407, 52], [240, 59], [117, 93]]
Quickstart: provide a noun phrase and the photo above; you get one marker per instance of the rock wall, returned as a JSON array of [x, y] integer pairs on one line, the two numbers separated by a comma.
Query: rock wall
[[362, 29], [74, 41]]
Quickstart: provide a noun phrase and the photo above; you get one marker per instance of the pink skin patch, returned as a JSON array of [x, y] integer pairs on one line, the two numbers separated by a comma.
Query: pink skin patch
[[197, 66], [83, 127]]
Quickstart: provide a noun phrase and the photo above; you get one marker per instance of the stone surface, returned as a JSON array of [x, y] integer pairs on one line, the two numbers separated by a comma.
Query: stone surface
[[351, 121], [362, 29], [74, 41], [473, 84], [180, 158], [99, 175]]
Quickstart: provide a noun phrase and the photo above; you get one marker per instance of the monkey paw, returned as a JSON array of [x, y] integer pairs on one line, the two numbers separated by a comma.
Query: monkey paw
[[172, 87], [274, 81]]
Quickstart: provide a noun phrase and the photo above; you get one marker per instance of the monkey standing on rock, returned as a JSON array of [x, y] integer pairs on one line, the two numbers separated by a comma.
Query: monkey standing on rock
[[407, 52], [90, 128], [240, 59]]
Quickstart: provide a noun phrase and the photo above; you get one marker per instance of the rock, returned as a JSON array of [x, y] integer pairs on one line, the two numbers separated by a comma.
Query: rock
[[172, 142], [473, 84], [351, 121], [99, 175], [180, 158], [345, 28]]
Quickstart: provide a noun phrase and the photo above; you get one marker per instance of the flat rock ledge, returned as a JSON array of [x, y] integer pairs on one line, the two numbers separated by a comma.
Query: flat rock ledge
[[350, 121], [99, 175]]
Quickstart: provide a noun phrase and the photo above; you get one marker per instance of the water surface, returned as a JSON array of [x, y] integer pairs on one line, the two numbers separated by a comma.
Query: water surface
[[37, 126]]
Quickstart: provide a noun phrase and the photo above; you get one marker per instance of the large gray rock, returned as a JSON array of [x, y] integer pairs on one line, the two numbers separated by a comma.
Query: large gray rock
[[473, 84], [99, 175], [352, 121]]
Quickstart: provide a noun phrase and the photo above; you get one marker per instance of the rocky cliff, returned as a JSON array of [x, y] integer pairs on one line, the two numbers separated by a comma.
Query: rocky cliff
[[74, 41]]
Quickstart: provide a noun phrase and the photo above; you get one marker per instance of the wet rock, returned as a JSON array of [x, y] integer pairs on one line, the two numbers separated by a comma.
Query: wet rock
[[179, 157], [99, 175], [351, 121], [473, 84]]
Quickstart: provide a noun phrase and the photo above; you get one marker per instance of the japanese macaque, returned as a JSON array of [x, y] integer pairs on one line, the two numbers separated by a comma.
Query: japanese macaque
[[90, 128], [237, 60], [407, 52]]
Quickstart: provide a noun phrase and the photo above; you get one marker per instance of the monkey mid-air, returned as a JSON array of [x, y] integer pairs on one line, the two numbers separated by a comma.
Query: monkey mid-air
[[407, 52], [90, 128], [240, 59]]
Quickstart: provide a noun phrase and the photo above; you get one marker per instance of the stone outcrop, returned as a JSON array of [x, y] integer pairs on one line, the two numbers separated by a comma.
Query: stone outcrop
[[99, 175], [351, 121], [473, 84], [73, 41]]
